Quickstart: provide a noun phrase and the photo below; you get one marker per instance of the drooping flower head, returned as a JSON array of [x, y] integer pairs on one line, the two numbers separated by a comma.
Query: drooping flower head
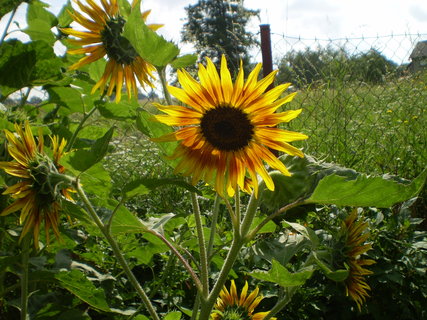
[[36, 195], [104, 38], [228, 128], [352, 243], [230, 306]]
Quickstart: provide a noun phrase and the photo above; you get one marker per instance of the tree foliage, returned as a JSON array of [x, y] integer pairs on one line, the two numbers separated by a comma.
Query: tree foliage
[[218, 27], [332, 65]]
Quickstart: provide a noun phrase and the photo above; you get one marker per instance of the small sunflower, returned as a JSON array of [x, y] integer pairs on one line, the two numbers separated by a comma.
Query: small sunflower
[[353, 238], [227, 129], [104, 38], [36, 194], [231, 307]]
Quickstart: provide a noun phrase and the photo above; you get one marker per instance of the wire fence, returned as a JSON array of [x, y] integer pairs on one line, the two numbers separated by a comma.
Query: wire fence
[[364, 99]]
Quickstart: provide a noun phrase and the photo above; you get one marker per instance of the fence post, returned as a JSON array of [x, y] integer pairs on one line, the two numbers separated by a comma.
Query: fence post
[[267, 60]]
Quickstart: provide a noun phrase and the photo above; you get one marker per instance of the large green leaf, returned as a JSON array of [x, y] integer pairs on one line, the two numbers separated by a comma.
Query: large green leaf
[[365, 191], [125, 109], [40, 22], [68, 97], [27, 64], [149, 45], [64, 18], [184, 61], [76, 282], [280, 275]]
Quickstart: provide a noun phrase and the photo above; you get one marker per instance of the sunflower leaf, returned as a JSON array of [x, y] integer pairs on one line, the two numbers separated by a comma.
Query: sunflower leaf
[[366, 191], [78, 284], [184, 61], [27, 64], [280, 275], [150, 46]]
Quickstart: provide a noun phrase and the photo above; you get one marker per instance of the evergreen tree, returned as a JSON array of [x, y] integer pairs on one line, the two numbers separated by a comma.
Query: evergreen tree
[[217, 27]]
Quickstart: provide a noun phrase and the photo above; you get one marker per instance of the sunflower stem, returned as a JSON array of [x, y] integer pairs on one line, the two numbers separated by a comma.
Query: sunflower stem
[[162, 75], [24, 276], [116, 250], [79, 127], [249, 215], [282, 302], [202, 246], [215, 213], [187, 266]]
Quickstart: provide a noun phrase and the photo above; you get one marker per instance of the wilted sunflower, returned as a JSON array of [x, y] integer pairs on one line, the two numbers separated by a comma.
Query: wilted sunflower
[[353, 238], [227, 129], [230, 306], [36, 195], [104, 38]]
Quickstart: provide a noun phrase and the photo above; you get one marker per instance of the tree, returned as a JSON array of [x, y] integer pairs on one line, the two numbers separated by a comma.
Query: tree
[[218, 27]]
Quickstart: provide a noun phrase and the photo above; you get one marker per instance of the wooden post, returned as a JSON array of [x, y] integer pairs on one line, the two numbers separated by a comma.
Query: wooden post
[[267, 60]]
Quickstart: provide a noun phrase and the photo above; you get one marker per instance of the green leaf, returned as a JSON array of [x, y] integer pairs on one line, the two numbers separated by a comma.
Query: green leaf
[[64, 18], [40, 21], [184, 61], [67, 97], [149, 45], [335, 275], [126, 222], [269, 227], [146, 123], [27, 64], [365, 191], [174, 315], [76, 282], [119, 111], [84, 159], [280, 275], [146, 185]]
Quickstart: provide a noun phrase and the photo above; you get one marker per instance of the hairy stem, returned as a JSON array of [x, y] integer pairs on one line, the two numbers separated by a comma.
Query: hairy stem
[[202, 245], [116, 250], [24, 276]]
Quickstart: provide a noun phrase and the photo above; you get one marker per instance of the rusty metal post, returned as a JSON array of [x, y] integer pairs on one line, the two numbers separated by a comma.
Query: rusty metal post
[[267, 60]]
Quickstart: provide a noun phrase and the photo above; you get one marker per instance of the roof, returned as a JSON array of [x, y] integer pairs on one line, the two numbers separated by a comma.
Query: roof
[[420, 50]]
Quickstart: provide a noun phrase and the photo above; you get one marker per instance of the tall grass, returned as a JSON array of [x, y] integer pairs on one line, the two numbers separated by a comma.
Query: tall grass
[[371, 128]]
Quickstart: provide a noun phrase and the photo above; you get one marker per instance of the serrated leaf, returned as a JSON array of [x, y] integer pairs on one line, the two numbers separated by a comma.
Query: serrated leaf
[[125, 221], [365, 191], [184, 61], [269, 227], [280, 275], [36, 11], [40, 30], [76, 282], [149, 45]]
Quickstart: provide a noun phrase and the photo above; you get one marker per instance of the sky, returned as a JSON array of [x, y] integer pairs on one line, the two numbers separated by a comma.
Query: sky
[[307, 19]]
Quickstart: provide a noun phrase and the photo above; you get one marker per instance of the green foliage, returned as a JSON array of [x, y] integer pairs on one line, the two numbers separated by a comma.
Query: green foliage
[[332, 66], [27, 64], [9, 5], [219, 27]]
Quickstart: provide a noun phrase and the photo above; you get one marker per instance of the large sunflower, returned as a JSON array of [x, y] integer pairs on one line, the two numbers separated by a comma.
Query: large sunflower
[[230, 306], [352, 241], [227, 129], [36, 195], [104, 38]]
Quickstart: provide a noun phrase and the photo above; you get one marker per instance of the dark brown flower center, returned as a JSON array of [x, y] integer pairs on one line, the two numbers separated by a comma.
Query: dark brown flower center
[[118, 47], [227, 128]]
